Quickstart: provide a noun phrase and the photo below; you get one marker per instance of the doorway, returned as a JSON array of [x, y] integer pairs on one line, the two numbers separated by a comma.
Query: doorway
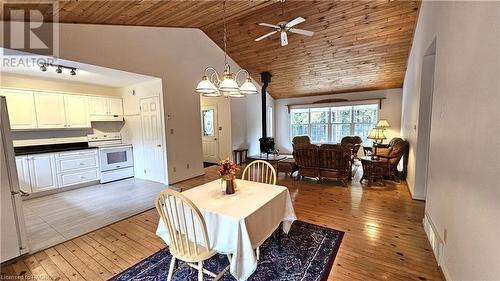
[[209, 134], [424, 121], [152, 139]]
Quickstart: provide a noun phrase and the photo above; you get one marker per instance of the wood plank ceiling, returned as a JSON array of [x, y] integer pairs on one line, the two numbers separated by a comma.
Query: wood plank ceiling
[[357, 45]]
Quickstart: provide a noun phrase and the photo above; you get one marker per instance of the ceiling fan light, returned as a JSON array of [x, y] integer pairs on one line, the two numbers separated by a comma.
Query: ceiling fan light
[[205, 86], [248, 88]]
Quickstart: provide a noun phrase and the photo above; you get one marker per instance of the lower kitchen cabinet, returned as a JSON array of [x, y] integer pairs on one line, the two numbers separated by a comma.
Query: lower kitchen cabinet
[[42, 169], [41, 172]]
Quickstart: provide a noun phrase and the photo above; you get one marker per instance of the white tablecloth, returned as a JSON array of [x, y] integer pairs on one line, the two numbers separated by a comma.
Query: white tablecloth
[[239, 223]]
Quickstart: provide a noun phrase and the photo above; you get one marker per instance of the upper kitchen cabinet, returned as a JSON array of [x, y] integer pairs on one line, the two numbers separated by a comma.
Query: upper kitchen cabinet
[[21, 107], [106, 109], [50, 110], [77, 111]]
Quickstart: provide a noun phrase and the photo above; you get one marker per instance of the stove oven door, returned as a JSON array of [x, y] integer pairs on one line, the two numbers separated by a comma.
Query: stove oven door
[[113, 158]]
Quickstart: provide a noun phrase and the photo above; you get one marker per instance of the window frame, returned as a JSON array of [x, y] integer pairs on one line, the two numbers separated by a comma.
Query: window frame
[[330, 123]]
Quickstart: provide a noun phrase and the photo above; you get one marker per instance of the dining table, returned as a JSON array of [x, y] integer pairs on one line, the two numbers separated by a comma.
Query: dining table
[[239, 223]]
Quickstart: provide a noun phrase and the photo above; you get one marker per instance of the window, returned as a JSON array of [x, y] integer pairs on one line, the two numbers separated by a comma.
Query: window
[[331, 124]]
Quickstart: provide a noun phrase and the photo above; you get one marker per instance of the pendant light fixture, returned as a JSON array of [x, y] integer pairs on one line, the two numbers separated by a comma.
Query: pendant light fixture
[[212, 85]]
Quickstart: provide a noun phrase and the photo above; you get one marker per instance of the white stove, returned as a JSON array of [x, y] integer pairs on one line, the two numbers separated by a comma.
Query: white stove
[[115, 157]]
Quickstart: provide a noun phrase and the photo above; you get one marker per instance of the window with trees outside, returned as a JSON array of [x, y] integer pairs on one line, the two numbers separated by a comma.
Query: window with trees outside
[[331, 124]]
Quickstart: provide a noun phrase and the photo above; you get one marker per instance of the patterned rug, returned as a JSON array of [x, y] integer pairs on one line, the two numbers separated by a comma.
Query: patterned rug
[[307, 253]]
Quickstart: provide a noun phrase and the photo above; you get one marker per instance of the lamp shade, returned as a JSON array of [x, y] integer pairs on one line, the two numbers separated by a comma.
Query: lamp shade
[[248, 88], [377, 134], [206, 87], [382, 123], [228, 84]]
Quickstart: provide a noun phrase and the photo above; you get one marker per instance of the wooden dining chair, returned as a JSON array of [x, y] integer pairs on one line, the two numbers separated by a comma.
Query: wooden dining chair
[[259, 171], [187, 233]]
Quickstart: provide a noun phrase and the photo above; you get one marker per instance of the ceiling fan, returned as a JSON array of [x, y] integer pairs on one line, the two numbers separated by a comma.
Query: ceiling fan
[[283, 28]]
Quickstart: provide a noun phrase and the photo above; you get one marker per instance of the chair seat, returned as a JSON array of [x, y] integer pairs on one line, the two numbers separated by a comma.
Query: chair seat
[[203, 253]]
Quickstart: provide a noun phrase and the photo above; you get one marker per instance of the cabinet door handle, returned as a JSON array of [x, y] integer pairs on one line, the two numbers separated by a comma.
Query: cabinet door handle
[[81, 164]]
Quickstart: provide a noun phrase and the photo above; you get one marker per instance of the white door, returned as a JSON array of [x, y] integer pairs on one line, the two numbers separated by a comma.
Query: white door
[[50, 110], [154, 168], [42, 172], [21, 107], [77, 111], [98, 106], [209, 134], [115, 106], [23, 173]]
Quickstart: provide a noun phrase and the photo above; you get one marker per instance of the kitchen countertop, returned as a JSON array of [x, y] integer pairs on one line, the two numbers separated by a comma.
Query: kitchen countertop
[[46, 148]]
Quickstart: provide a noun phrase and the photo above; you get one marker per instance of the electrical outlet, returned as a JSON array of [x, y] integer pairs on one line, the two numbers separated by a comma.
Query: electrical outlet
[[187, 165], [445, 236], [175, 169], [171, 131]]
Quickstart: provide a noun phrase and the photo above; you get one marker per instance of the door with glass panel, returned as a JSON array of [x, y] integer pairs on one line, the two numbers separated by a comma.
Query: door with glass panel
[[209, 134]]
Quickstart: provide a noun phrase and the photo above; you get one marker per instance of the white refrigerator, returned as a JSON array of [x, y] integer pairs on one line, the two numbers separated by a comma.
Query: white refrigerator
[[12, 228]]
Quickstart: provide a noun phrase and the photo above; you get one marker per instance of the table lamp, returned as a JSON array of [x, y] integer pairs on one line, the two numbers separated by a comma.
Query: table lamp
[[376, 134], [383, 124]]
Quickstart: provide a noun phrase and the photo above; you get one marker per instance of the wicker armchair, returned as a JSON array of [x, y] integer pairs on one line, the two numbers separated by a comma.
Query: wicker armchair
[[395, 150], [300, 140], [307, 158], [354, 144], [335, 162]]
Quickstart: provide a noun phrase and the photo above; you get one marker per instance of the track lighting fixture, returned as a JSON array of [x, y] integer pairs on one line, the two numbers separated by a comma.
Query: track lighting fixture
[[59, 68]]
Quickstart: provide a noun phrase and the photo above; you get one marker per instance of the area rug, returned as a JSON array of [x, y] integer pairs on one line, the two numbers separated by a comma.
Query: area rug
[[307, 253]]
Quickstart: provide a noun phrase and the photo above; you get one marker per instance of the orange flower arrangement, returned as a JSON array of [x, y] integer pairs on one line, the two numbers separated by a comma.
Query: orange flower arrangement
[[228, 169]]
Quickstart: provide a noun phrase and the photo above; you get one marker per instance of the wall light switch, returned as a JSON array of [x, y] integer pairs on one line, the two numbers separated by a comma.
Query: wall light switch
[[171, 131], [187, 165], [175, 169], [220, 128]]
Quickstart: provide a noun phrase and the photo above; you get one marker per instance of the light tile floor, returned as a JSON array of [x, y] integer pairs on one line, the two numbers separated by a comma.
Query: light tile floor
[[55, 218]]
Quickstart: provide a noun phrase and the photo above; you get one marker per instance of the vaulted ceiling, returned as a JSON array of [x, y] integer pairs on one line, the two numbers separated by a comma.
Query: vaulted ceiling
[[357, 45]]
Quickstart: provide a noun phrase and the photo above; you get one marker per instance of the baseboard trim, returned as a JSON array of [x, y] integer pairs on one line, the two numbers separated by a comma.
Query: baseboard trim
[[437, 245]]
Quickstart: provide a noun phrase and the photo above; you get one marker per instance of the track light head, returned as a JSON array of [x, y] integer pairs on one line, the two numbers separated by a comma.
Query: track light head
[[72, 72], [43, 67], [58, 70]]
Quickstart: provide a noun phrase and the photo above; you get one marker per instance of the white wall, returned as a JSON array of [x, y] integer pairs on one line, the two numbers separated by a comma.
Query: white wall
[[463, 190], [132, 128], [246, 125], [391, 110], [176, 55]]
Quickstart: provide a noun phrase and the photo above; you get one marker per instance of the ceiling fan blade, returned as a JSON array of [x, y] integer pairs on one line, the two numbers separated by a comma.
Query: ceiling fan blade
[[284, 39], [266, 35], [294, 22], [301, 31], [269, 25]]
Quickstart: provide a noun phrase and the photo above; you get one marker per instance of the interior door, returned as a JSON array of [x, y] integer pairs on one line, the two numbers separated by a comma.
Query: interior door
[[209, 134], [50, 111], [21, 107], [77, 111], [42, 172], [154, 168]]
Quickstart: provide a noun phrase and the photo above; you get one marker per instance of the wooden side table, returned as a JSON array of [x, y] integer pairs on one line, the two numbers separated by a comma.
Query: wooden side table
[[240, 155], [373, 170]]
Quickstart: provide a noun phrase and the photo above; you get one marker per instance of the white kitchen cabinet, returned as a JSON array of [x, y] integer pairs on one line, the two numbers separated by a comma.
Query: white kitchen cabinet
[[42, 172], [98, 106], [115, 106], [50, 110], [106, 109], [76, 108], [23, 173], [21, 107]]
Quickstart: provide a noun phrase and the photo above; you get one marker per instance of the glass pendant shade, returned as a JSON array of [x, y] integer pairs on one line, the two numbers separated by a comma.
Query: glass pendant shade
[[248, 88], [228, 84], [206, 87]]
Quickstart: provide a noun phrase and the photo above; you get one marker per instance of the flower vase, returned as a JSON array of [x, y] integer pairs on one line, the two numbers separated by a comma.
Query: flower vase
[[230, 186]]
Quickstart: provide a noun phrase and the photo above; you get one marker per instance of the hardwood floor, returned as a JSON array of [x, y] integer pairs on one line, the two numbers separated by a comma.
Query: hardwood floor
[[384, 237]]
